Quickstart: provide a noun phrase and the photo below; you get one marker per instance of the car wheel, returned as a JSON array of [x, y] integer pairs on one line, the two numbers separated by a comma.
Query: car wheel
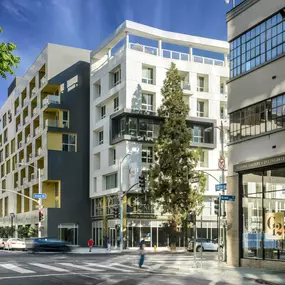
[[199, 249]]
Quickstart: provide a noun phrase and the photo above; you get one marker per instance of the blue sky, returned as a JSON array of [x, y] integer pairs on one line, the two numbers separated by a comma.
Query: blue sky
[[31, 24]]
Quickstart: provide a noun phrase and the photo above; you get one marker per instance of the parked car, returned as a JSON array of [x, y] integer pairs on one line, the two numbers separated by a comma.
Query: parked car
[[2, 242], [47, 244], [15, 243], [204, 244]]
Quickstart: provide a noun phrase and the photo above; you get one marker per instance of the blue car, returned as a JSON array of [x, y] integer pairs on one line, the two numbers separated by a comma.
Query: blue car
[[47, 244]]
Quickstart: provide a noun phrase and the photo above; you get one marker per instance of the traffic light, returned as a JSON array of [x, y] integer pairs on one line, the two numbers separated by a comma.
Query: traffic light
[[116, 212], [142, 182], [192, 218], [41, 215], [217, 206]]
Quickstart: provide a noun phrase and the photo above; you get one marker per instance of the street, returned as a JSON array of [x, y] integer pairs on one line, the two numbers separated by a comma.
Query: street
[[22, 268], [56, 268]]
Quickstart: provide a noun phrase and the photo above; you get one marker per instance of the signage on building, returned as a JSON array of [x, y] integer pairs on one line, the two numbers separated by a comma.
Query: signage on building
[[228, 198], [260, 163], [142, 216], [274, 225], [221, 187], [40, 196]]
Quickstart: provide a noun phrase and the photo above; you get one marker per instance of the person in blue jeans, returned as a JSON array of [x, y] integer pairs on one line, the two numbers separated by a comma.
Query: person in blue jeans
[[142, 246]]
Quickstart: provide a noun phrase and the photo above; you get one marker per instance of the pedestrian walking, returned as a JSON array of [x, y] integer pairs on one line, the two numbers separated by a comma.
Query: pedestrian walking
[[90, 244], [142, 252]]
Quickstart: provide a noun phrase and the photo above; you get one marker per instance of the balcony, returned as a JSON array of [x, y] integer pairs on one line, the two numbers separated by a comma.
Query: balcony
[[185, 85], [24, 180], [30, 156], [52, 123], [50, 99], [27, 120], [18, 109], [19, 127], [175, 55], [26, 101], [20, 144], [43, 81]]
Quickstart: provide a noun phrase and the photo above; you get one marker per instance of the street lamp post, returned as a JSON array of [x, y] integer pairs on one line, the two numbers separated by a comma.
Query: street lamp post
[[221, 128], [40, 192], [12, 215]]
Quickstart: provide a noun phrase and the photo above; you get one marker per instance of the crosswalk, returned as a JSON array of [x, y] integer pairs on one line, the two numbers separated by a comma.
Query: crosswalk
[[126, 264]]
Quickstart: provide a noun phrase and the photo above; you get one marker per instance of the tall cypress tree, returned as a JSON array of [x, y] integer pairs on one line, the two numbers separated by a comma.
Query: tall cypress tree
[[170, 176]]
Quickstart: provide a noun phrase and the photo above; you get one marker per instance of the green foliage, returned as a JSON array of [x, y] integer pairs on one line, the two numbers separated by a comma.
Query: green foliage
[[7, 59], [33, 231], [23, 232], [170, 176]]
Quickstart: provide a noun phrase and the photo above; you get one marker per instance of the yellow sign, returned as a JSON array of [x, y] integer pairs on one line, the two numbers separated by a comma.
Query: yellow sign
[[274, 225]]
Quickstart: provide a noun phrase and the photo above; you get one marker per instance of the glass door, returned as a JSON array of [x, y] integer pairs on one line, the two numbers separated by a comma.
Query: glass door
[[112, 236]]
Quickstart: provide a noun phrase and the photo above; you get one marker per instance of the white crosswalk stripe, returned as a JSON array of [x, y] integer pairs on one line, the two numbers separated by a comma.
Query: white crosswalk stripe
[[49, 267], [109, 267], [16, 268], [82, 267], [124, 266]]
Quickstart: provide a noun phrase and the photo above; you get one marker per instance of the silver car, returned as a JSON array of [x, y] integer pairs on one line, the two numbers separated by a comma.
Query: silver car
[[204, 244]]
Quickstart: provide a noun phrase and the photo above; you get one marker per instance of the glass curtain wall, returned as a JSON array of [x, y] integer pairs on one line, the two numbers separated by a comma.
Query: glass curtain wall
[[263, 205]]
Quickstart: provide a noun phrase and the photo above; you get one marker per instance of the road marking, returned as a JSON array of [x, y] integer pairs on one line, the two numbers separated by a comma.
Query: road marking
[[16, 268], [109, 267], [49, 267], [80, 267], [123, 265]]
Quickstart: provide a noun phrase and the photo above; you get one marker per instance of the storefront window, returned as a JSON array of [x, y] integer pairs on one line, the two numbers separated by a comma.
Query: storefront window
[[263, 205]]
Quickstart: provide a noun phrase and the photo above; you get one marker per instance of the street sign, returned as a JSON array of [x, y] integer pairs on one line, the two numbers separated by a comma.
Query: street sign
[[228, 198], [195, 180], [40, 196], [221, 187], [221, 163]]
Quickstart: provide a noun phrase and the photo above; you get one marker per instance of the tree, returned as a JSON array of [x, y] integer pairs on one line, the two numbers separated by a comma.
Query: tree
[[7, 59], [9, 231], [23, 232], [33, 231], [169, 178]]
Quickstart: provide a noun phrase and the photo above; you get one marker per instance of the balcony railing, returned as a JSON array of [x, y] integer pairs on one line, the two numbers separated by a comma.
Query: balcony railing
[[28, 138], [26, 100], [171, 54], [43, 81], [27, 119], [185, 85], [51, 123], [20, 144], [39, 151], [201, 114], [18, 110], [201, 89], [147, 80], [37, 130], [19, 127], [30, 156], [50, 99]]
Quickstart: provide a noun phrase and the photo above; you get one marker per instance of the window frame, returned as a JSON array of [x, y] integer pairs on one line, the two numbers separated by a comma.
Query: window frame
[[69, 144]]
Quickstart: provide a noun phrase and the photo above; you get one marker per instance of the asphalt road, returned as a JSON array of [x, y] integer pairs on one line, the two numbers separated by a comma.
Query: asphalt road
[[21, 268]]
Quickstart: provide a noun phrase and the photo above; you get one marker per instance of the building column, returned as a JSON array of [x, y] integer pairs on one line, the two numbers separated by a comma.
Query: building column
[[226, 59], [233, 216], [190, 54], [109, 53], [127, 39], [105, 221], [159, 47]]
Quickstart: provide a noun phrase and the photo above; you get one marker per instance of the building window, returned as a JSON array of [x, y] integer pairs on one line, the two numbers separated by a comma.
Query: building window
[[147, 154], [116, 77], [100, 137], [203, 160], [201, 108], [69, 142], [201, 84], [257, 119], [263, 212], [94, 188], [133, 127], [258, 45], [65, 119], [111, 181], [97, 161], [103, 112], [223, 110], [116, 104], [198, 134], [147, 102], [147, 75], [97, 90], [146, 128], [4, 120], [112, 156], [6, 209]]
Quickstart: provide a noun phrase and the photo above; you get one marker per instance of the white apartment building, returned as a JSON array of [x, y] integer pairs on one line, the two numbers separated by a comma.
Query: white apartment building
[[127, 73]]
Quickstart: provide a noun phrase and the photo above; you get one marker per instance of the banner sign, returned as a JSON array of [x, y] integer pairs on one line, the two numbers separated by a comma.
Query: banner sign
[[274, 225]]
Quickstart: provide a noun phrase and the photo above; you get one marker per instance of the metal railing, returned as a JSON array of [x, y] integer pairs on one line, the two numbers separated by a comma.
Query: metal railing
[[171, 54], [51, 99], [43, 80], [185, 85], [51, 123]]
